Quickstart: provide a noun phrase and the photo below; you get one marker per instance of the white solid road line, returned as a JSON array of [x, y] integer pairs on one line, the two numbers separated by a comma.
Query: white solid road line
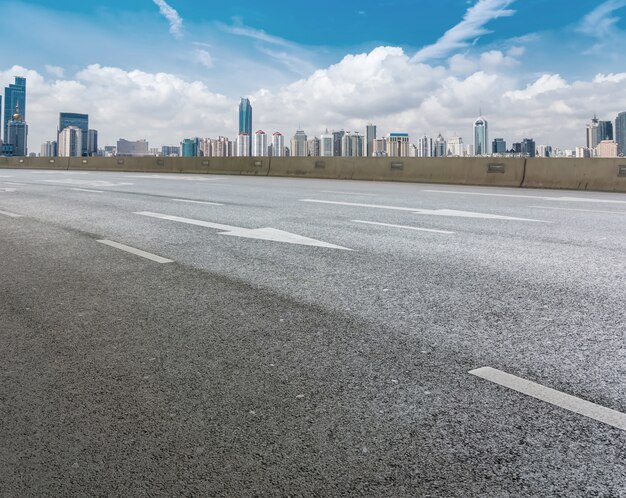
[[198, 202], [554, 397], [88, 190], [404, 226], [15, 184], [136, 252], [10, 215], [89, 183], [174, 176], [431, 212], [578, 210], [345, 193], [543, 198], [250, 233]]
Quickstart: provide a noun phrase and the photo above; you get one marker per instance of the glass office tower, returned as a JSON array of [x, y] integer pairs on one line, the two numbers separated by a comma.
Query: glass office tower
[[67, 119], [14, 96], [245, 121]]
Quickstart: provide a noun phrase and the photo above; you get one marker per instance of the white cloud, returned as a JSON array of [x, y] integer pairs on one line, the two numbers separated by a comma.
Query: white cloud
[[239, 29], [545, 84], [471, 27], [382, 86], [203, 58], [172, 16], [55, 71], [600, 23]]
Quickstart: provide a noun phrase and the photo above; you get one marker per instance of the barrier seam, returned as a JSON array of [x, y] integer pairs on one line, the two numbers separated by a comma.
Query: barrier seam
[[523, 173]]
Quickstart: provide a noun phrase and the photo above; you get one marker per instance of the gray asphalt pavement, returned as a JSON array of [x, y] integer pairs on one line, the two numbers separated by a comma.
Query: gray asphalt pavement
[[308, 337]]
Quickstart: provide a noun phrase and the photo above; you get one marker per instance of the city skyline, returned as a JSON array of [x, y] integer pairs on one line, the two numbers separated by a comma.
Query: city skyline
[[477, 55]]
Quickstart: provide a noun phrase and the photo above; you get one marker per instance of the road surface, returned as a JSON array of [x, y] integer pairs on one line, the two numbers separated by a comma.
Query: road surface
[[188, 335]]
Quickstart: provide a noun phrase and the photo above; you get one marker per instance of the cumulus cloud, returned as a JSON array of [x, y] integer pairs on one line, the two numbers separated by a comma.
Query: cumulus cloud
[[57, 71], [383, 86], [471, 27], [172, 16]]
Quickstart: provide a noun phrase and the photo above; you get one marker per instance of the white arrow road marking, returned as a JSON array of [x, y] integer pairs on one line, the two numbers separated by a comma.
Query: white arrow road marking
[[197, 202], [432, 212], [89, 183], [543, 198], [10, 215], [136, 252], [7, 189], [404, 226], [554, 397], [249, 233]]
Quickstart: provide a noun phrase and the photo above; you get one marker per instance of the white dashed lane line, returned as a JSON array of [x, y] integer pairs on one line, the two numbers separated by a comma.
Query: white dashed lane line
[[404, 227], [136, 252], [197, 202], [10, 215], [554, 397]]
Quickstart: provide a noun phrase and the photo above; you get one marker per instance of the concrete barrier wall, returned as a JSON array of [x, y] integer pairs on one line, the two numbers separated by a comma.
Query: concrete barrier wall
[[576, 174], [456, 170], [314, 167]]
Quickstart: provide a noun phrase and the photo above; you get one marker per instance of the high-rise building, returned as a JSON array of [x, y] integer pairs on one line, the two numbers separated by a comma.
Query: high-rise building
[[424, 147], [441, 148], [17, 133], [221, 147], [278, 144], [243, 145], [380, 147], [605, 130], [582, 152], [190, 147], [481, 137], [498, 146], [607, 148], [130, 148], [245, 121], [398, 145], [49, 149], [326, 144], [81, 121], [597, 131], [337, 141], [298, 144], [170, 151], [313, 147], [516, 148], [370, 136], [528, 147], [544, 151], [352, 144], [620, 132], [71, 142], [92, 142], [260, 144], [455, 147], [14, 96]]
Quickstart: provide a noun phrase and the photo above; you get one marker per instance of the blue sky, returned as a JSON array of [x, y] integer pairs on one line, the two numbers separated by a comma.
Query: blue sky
[[271, 50]]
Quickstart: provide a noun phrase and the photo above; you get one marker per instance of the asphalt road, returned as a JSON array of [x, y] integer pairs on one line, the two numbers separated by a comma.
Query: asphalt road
[[308, 338]]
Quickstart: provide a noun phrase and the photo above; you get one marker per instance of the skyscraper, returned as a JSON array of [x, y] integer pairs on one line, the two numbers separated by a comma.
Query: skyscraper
[[260, 144], [605, 131], [620, 132], [597, 131], [455, 146], [81, 121], [14, 96], [441, 148], [370, 136], [298, 144], [278, 144], [481, 137], [49, 149], [243, 145], [528, 147], [337, 138], [498, 146], [17, 133], [70, 142], [352, 144], [424, 147], [245, 121], [326, 144], [92, 143], [398, 145]]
